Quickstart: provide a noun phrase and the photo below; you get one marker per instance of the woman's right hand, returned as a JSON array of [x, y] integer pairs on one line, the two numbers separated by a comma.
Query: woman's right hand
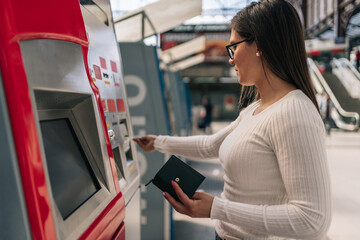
[[146, 142]]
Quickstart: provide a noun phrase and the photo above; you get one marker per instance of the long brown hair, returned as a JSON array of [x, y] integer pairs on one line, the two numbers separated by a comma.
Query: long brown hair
[[276, 28]]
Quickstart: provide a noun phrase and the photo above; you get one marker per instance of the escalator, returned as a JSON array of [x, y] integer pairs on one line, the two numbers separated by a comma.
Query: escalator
[[348, 103], [346, 110]]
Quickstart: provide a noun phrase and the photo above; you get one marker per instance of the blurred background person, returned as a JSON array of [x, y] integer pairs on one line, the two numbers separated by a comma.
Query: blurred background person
[[208, 114]]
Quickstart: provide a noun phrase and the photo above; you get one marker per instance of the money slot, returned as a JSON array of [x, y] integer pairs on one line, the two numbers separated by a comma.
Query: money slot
[[119, 167]]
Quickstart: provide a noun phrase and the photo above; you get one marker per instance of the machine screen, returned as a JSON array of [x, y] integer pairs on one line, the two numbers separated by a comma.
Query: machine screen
[[71, 177]]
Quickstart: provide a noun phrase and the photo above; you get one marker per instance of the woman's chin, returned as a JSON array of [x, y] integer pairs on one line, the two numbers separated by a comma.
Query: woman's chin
[[243, 82]]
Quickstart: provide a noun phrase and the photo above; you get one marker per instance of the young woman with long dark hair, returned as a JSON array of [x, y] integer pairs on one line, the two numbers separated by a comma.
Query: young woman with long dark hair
[[276, 182]]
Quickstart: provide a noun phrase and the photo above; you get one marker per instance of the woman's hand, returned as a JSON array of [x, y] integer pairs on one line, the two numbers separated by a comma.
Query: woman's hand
[[146, 142], [199, 206]]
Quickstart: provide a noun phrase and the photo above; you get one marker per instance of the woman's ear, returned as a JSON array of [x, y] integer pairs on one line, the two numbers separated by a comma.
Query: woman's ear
[[255, 48]]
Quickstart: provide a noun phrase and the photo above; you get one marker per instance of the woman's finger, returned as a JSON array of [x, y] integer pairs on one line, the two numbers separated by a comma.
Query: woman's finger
[[136, 140], [144, 140], [179, 207], [196, 196], [139, 142], [181, 195]]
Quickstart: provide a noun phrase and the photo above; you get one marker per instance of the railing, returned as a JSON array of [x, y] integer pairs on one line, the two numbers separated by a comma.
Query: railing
[[352, 68], [348, 76], [343, 119]]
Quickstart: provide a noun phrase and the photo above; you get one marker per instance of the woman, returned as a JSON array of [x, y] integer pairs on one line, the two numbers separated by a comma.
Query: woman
[[276, 181]]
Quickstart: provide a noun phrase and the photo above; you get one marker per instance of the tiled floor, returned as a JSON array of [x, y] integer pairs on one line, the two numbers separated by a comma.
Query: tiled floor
[[344, 163]]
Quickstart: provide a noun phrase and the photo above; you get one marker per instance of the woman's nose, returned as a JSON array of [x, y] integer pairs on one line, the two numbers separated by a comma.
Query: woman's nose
[[231, 61]]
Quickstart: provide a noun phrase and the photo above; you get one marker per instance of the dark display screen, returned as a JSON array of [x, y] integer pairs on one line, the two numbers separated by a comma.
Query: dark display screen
[[71, 177]]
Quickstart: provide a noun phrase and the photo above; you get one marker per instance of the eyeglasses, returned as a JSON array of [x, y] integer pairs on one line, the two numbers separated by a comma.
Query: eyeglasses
[[229, 49]]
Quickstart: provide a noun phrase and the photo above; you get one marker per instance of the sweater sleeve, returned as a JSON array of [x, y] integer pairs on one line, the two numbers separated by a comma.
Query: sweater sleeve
[[297, 137], [195, 147]]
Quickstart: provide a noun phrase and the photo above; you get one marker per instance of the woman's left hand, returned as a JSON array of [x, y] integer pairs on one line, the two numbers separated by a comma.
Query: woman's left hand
[[199, 206]]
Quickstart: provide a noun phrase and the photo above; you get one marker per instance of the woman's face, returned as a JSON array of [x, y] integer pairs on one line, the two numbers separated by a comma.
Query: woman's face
[[247, 64]]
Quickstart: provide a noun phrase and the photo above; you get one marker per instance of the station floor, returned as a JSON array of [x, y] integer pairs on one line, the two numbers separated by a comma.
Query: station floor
[[343, 149]]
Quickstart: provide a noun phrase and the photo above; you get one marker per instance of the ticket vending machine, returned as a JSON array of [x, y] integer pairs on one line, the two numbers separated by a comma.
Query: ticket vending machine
[[62, 173], [106, 73], [13, 221]]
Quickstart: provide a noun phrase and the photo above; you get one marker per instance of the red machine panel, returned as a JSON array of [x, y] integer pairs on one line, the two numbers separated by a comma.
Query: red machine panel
[[42, 19]]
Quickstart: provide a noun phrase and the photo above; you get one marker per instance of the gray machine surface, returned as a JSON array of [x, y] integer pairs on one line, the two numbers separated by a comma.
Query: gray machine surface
[[60, 89], [105, 67], [13, 221], [145, 90]]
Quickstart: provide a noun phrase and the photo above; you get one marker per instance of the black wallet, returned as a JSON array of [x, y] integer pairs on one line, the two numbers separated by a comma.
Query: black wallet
[[176, 170]]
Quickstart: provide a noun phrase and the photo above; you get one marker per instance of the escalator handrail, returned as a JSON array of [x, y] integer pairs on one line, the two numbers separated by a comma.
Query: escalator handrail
[[351, 84], [332, 96], [352, 68]]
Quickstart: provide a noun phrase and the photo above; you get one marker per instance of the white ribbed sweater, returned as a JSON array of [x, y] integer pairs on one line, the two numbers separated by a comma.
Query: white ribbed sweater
[[276, 181]]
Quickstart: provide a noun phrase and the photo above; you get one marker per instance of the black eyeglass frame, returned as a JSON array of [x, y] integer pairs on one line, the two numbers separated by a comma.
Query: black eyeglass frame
[[230, 52]]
